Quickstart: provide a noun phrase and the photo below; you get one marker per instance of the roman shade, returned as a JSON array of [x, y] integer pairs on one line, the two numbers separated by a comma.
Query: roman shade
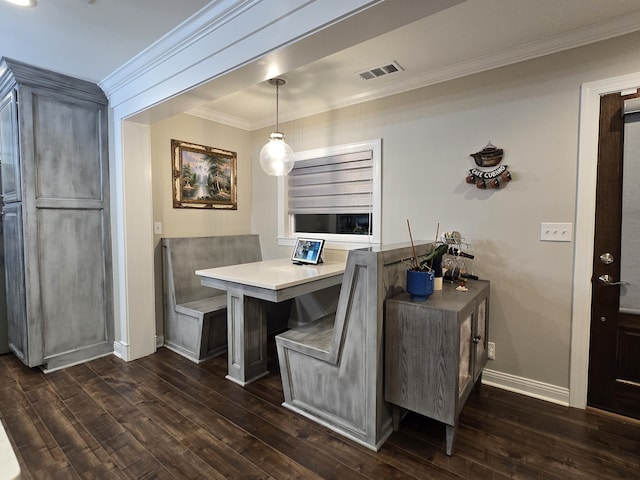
[[337, 184]]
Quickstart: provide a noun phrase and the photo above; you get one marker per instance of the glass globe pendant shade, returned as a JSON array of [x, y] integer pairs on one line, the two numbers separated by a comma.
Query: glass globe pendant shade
[[276, 157], [24, 3]]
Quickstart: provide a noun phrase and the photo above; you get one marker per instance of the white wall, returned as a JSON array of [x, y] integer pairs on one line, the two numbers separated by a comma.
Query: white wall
[[531, 110], [133, 339]]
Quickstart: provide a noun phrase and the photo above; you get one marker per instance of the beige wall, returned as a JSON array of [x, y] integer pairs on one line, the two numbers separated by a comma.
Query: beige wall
[[186, 222], [531, 110]]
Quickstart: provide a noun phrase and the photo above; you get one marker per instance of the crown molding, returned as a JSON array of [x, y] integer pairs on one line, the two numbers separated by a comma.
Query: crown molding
[[210, 18], [210, 114], [615, 27], [228, 35], [218, 14]]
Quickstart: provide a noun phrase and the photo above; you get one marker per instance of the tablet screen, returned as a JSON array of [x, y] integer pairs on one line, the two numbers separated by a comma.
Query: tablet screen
[[308, 250]]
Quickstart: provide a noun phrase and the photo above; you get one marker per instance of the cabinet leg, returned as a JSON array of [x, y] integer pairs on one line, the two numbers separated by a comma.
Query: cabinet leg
[[452, 430], [478, 384], [396, 417]]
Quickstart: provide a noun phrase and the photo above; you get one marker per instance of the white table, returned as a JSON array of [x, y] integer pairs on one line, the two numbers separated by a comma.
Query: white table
[[247, 285], [9, 467]]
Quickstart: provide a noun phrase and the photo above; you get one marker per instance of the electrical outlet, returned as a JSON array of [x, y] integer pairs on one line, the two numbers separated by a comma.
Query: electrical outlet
[[491, 350], [157, 228], [556, 232]]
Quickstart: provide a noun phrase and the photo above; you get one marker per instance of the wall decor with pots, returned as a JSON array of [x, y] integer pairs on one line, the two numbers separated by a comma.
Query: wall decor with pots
[[488, 173]]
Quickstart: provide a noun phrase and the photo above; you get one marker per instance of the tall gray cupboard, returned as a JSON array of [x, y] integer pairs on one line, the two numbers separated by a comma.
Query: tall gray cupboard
[[55, 190]]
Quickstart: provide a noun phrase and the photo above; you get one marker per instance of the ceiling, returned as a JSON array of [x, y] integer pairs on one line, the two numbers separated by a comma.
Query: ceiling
[[88, 39], [92, 38]]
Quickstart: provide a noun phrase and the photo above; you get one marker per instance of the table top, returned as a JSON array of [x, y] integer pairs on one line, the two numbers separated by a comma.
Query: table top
[[273, 274], [9, 467]]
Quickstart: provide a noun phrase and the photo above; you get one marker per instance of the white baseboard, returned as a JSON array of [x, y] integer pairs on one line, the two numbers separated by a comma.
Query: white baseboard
[[159, 341], [46, 369], [121, 350], [526, 386]]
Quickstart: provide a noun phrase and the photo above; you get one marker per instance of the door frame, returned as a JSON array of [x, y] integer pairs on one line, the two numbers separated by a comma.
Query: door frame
[[585, 227]]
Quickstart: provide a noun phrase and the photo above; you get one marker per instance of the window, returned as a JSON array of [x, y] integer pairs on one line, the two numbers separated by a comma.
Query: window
[[333, 193]]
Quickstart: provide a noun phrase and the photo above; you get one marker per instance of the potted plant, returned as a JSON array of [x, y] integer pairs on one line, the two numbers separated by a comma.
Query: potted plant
[[421, 274]]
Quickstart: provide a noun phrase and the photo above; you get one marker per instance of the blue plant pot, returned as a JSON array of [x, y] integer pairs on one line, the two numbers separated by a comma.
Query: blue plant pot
[[419, 285]]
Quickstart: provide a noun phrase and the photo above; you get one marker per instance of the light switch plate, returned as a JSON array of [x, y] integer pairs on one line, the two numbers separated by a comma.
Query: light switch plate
[[556, 232]]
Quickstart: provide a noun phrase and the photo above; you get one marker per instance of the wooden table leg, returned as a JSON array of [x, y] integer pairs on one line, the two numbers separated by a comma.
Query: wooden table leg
[[246, 337]]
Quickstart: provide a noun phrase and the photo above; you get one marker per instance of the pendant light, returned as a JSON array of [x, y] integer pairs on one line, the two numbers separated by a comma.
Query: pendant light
[[23, 3], [276, 157]]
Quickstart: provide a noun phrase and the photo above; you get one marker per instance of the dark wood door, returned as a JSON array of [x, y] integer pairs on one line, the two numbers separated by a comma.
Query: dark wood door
[[614, 354]]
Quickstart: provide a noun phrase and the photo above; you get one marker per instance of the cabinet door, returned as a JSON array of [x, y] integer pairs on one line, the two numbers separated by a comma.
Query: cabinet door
[[15, 288], [480, 336], [9, 152], [465, 359], [67, 235]]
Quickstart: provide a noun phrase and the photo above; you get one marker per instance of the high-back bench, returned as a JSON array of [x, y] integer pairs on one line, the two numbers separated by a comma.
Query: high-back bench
[[195, 316], [332, 368]]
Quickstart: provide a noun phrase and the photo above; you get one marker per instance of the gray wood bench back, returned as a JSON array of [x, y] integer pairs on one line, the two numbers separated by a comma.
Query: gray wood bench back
[[195, 320], [332, 369], [190, 254]]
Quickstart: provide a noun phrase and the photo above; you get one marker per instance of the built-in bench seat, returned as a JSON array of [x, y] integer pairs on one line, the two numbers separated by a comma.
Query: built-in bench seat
[[195, 316], [314, 339], [205, 305], [332, 368]]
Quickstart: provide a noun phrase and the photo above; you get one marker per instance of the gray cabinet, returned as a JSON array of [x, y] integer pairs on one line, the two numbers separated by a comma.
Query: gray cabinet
[[435, 352], [8, 142], [55, 187]]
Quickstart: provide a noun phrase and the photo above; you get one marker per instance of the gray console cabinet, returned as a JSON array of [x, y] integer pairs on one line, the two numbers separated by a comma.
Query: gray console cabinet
[[55, 186], [435, 352]]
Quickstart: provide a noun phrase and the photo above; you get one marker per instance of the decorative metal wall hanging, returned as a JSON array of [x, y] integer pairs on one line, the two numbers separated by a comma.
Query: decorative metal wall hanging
[[484, 175]]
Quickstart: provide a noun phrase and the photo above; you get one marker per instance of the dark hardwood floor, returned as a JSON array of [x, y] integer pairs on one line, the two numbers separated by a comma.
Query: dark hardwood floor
[[165, 417]]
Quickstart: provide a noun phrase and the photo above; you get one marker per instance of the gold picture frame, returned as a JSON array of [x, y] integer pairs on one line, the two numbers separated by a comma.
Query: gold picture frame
[[203, 177]]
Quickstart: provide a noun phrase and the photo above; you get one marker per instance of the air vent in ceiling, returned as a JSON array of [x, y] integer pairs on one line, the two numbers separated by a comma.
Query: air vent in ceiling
[[380, 71]]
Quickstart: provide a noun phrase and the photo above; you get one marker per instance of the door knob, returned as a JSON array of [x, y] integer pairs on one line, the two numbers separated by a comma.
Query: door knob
[[606, 258], [607, 281]]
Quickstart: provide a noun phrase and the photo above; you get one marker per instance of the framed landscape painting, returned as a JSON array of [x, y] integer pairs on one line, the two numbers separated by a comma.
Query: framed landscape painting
[[203, 177]]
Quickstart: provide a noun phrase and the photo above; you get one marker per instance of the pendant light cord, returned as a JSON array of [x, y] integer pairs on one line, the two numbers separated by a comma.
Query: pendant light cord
[[277, 82], [277, 105]]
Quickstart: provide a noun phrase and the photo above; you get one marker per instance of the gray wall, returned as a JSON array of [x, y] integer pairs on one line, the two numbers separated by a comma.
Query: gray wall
[[529, 109]]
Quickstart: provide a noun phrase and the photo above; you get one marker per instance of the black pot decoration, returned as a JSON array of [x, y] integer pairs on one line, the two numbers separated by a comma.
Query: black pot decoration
[[489, 156]]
